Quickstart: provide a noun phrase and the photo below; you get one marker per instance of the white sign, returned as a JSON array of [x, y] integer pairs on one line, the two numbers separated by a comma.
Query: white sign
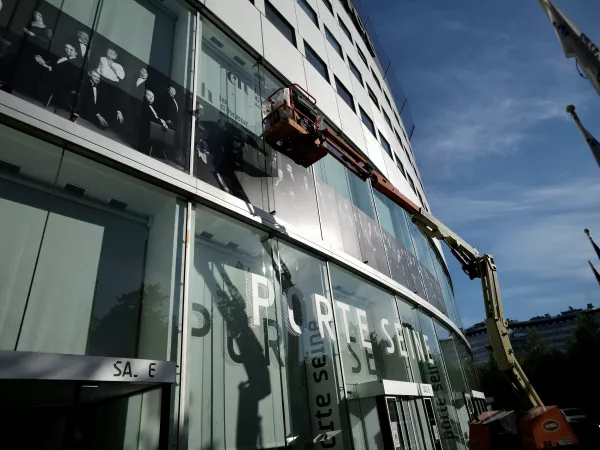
[[426, 390]]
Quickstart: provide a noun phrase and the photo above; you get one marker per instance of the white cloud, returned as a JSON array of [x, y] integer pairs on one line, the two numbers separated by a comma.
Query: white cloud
[[534, 232], [501, 201]]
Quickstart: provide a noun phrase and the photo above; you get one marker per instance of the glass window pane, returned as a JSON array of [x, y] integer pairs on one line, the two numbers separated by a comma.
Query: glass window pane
[[387, 99], [310, 12], [28, 170], [386, 117], [235, 354], [385, 144], [428, 366], [362, 55], [315, 60], [344, 93], [81, 60], [457, 386], [371, 343], [412, 184], [229, 153], [347, 214], [404, 265], [312, 374], [377, 82], [345, 29], [431, 290], [334, 42], [328, 5], [290, 187], [280, 22], [372, 96], [106, 281], [400, 165], [355, 71], [367, 121]]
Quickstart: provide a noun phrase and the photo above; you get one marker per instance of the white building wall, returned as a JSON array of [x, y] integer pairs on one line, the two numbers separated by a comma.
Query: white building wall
[[247, 19]]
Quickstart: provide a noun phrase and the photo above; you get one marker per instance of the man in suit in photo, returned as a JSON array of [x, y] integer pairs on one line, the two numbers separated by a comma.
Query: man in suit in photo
[[136, 93], [171, 108], [83, 43], [60, 85], [92, 101], [150, 120]]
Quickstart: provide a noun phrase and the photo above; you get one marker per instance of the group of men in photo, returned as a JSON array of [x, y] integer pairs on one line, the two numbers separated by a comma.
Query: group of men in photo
[[70, 70]]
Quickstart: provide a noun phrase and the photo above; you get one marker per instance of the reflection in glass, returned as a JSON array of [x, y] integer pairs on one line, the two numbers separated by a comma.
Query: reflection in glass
[[410, 253], [397, 240], [229, 151], [28, 169], [466, 360], [446, 412], [262, 337], [235, 358], [347, 215], [97, 253], [81, 60], [448, 345], [372, 346], [104, 282], [432, 291], [312, 374]]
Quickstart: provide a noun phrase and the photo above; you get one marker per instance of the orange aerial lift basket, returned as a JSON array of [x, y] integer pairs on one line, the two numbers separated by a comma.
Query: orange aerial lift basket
[[293, 125]]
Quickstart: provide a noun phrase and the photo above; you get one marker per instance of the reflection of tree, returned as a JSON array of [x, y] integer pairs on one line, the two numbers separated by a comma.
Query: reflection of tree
[[557, 376], [117, 333], [232, 307]]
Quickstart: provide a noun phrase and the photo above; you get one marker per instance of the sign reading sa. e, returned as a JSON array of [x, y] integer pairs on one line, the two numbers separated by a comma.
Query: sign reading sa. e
[[124, 369]]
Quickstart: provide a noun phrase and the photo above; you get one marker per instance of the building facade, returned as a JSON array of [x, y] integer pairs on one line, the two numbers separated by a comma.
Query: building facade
[[169, 281], [557, 331]]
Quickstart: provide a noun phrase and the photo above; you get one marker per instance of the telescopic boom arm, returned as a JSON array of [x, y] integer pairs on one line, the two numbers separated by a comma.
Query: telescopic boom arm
[[484, 268], [294, 127]]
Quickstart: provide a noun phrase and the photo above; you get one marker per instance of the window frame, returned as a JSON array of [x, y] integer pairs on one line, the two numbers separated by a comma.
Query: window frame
[[276, 19], [335, 44], [399, 165], [309, 11], [372, 95], [345, 29], [387, 99], [362, 55], [328, 5], [377, 82], [386, 117], [367, 121], [339, 86], [411, 182], [387, 147], [315, 60], [355, 71]]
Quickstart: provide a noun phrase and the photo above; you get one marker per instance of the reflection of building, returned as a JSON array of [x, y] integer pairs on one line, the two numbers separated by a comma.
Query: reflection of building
[[167, 280], [556, 331]]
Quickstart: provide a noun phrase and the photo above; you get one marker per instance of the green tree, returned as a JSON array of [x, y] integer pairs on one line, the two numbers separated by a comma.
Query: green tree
[[582, 352]]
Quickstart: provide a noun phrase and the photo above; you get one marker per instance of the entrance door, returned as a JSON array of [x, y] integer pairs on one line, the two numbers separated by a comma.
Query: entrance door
[[395, 418], [57, 415], [403, 435], [427, 430]]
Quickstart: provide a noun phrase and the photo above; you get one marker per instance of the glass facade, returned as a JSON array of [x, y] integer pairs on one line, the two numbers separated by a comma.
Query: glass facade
[[136, 90], [456, 375], [81, 274], [78, 59], [270, 344]]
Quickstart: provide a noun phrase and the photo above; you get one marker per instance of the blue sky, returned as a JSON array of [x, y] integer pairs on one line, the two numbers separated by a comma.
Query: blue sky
[[501, 161]]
